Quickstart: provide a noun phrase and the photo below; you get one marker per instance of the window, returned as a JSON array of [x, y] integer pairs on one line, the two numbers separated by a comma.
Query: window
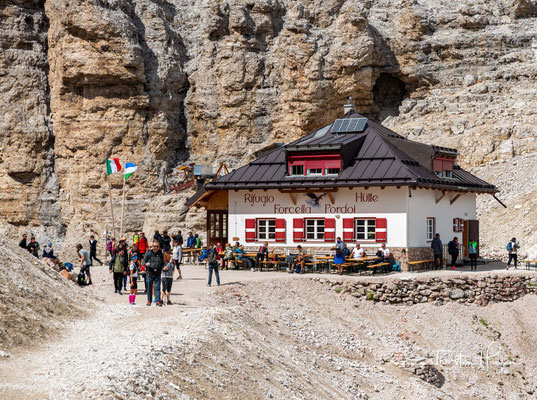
[[315, 229], [443, 167], [365, 229], [431, 228], [315, 171], [458, 224], [312, 165], [266, 229], [297, 170], [331, 171]]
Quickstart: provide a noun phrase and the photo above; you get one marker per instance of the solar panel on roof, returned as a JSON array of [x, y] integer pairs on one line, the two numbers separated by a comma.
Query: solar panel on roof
[[349, 125]]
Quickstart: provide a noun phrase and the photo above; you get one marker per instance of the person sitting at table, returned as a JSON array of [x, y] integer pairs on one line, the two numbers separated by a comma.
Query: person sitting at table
[[299, 262], [262, 253], [346, 250], [240, 255], [339, 257], [385, 256], [358, 252]]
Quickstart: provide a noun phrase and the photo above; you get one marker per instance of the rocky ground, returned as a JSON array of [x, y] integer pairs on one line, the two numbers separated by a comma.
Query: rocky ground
[[263, 335]]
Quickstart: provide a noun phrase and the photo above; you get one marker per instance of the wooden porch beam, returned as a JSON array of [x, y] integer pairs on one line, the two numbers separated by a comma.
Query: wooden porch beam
[[331, 197], [454, 199], [293, 198], [440, 198]]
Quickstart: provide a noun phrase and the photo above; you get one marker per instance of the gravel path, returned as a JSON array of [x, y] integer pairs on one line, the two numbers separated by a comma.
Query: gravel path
[[274, 335]]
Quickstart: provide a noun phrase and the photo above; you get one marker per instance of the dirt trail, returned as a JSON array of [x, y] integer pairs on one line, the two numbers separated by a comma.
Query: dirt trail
[[265, 335]]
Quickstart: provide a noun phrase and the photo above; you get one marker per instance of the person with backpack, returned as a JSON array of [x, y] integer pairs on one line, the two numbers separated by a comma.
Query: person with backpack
[[123, 246], [179, 238], [177, 256], [512, 249], [453, 250], [438, 249], [85, 262], [154, 262], [167, 277], [212, 260], [262, 254], [472, 253], [109, 246], [93, 249], [133, 272], [135, 238], [117, 267]]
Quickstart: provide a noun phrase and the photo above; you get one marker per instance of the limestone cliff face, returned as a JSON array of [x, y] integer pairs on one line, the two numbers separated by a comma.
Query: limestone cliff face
[[165, 82]]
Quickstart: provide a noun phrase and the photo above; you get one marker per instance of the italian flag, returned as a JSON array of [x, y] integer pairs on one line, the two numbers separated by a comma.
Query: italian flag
[[112, 166], [129, 169]]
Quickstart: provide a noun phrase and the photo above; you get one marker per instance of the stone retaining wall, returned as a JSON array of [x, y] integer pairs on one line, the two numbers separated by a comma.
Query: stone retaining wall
[[478, 289]]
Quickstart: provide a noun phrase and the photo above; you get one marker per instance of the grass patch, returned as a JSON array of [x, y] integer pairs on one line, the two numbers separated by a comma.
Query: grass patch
[[484, 322], [369, 295], [338, 290], [532, 284]]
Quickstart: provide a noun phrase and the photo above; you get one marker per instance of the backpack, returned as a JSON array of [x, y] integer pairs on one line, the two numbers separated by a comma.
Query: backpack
[[81, 279], [212, 257], [509, 246]]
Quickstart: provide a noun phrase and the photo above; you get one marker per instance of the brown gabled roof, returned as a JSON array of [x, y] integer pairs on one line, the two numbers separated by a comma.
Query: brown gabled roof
[[376, 156]]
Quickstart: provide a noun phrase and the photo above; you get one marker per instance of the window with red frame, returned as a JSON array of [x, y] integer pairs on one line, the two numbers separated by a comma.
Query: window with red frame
[[314, 165]]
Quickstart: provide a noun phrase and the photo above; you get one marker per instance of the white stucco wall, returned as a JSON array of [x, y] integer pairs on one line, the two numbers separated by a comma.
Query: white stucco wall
[[422, 204], [389, 203]]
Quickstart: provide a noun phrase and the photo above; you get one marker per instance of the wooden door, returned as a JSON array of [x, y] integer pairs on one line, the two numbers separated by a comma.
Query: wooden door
[[217, 227], [472, 228]]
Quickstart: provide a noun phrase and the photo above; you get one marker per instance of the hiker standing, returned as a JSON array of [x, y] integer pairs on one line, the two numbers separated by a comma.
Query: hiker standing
[[154, 262], [438, 249], [453, 250], [93, 249], [262, 254], [197, 244], [512, 249], [339, 257], [167, 277], [85, 262], [212, 260], [33, 247], [179, 238], [166, 242], [24, 242], [472, 253], [109, 246], [133, 272], [190, 241], [158, 237], [177, 255], [117, 267], [123, 246]]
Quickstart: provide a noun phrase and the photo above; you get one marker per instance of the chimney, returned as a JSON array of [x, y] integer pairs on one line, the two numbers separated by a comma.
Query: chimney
[[349, 106]]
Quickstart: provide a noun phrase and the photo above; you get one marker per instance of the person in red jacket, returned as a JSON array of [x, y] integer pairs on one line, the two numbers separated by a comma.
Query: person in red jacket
[[142, 245]]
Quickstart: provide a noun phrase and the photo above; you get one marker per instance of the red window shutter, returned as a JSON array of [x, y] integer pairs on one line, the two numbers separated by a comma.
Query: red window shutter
[[447, 165], [437, 164], [314, 164], [381, 230], [348, 229], [332, 164], [329, 229], [298, 229], [280, 229], [250, 229]]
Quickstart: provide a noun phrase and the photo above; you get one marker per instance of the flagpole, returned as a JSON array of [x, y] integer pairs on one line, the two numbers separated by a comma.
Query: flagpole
[[111, 207], [123, 202]]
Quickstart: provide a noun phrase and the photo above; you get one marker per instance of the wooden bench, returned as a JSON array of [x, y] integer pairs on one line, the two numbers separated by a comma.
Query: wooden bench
[[275, 264], [379, 266], [313, 265], [412, 265], [529, 262], [342, 267]]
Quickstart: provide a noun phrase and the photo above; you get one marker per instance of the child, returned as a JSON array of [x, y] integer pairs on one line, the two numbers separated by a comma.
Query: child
[[167, 276], [220, 250], [177, 255], [133, 268]]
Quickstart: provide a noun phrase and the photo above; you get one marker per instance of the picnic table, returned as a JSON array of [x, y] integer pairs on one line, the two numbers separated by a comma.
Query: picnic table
[[529, 262]]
